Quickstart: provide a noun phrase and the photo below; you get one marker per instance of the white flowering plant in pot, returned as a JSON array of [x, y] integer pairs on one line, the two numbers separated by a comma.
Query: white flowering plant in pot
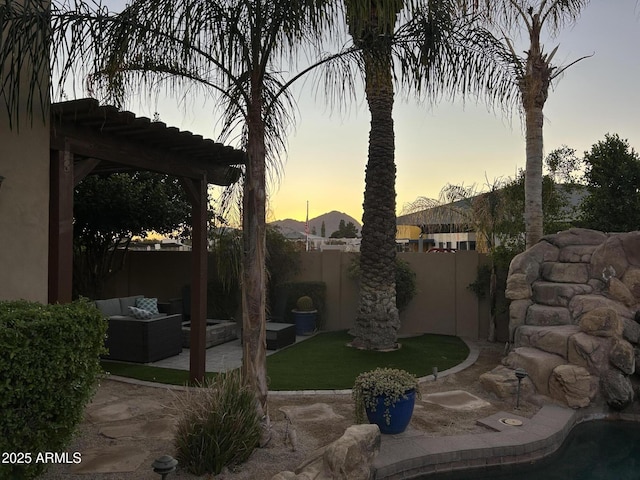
[[394, 384]]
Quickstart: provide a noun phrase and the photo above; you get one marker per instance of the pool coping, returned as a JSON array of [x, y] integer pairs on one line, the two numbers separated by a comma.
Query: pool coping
[[413, 454]]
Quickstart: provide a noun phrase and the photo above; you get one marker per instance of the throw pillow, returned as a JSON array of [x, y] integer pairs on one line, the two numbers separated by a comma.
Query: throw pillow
[[139, 313], [149, 304]]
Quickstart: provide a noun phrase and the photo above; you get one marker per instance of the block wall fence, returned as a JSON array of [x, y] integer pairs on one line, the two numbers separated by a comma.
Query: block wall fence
[[443, 303]]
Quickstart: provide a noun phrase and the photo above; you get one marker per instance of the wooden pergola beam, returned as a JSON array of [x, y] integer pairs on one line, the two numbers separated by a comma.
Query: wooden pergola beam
[[61, 226], [87, 138]]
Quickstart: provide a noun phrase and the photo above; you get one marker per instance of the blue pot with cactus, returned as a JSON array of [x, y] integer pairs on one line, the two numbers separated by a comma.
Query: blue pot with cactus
[[304, 316]]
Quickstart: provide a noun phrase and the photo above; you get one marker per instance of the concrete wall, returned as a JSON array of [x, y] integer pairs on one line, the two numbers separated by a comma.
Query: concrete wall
[[443, 304]]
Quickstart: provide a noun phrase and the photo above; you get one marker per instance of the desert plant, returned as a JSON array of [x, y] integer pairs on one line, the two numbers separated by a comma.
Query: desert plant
[[49, 366], [391, 382], [304, 304], [314, 289], [219, 425]]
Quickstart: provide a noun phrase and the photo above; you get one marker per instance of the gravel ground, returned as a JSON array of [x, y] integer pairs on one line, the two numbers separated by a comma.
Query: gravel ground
[[312, 431]]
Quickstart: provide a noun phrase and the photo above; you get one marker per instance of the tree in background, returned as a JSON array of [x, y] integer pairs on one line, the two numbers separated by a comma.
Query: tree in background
[[110, 210], [323, 230], [534, 73], [612, 175], [345, 230]]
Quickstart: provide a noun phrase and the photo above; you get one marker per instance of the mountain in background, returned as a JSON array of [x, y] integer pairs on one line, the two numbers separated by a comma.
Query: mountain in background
[[331, 222]]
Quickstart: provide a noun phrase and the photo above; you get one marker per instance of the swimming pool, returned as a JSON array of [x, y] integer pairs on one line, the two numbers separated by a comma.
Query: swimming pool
[[596, 450]]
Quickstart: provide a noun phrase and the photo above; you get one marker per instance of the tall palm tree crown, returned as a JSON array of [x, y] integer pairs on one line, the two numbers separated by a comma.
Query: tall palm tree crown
[[534, 74], [424, 46]]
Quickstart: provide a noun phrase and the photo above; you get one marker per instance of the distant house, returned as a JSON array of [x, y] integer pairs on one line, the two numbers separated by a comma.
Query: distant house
[[450, 226]]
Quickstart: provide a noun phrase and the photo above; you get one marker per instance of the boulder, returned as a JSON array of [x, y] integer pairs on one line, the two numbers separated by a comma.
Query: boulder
[[572, 385], [631, 246], [518, 288], [538, 365], [517, 315], [549, 339], [585, 303], [529, 262], [503, 383], [565, 272], [631, 330], [609, 259], [576, 253], [576, 236], [622, 356], [543, 315], [631, 279], [348, 458], [620, 292], [588, 351], [558, 294], [616, 389], [601, 322]]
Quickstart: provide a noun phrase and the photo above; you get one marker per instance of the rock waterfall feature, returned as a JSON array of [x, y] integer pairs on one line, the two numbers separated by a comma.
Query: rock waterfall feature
[[573, 318]]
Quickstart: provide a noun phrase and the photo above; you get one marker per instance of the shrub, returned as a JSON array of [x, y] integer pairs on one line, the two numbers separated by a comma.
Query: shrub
[[49, 368], [219, 425]]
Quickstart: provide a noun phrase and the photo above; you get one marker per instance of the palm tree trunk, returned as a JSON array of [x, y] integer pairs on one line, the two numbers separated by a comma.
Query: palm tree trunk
[[254, 353], [377, 321], [533, 175]]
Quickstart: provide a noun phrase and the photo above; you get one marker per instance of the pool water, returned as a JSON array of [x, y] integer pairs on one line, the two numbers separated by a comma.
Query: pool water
[[598, 450]]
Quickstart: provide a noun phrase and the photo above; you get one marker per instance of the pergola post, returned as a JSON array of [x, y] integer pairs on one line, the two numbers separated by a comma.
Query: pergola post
[[197, 352], [61, 227]]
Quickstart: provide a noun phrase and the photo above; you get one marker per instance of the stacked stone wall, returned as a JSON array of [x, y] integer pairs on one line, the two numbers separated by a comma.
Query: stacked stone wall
[[575, 298]]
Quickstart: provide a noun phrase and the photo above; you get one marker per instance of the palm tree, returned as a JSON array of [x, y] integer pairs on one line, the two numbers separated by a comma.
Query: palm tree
[[432, 51], [371, 25], [229, 48], [534, 74]]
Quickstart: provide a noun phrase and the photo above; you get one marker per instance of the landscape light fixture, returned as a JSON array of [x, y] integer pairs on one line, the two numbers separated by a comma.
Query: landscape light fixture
[[164, 465], [1, 179], [520, 374]]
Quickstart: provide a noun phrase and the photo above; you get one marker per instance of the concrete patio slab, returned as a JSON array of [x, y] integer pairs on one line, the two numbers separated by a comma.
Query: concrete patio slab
[[456, 400]]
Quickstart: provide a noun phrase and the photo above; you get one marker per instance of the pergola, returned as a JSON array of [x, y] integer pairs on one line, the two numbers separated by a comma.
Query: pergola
[[86, 139]]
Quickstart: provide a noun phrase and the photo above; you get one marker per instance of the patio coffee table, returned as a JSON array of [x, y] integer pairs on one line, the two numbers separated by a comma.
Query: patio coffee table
[[280, 335]]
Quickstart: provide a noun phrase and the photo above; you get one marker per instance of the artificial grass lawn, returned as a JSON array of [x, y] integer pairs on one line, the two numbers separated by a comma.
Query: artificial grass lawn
[[325, 361], [138, 371]]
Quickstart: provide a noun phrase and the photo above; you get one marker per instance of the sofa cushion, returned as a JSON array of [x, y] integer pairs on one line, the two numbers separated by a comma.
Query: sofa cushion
[[109, 307], [139, 313], [148, 304], [126, 302]]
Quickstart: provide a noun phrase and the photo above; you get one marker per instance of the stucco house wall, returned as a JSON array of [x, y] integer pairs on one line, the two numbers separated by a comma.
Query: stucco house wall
[[24, 208]]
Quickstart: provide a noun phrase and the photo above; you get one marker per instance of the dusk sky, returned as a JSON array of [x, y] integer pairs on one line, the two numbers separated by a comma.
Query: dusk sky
[[449, 142]]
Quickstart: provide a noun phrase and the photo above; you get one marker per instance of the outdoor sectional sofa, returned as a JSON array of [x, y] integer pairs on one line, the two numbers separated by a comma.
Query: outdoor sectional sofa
[[140, 340]]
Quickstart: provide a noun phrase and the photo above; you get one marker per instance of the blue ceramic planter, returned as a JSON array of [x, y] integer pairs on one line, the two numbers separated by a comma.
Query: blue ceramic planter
[[399, 414], [305, 322]]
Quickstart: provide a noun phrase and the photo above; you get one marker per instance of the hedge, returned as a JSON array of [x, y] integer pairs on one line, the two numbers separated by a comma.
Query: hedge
[[49, 369]]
